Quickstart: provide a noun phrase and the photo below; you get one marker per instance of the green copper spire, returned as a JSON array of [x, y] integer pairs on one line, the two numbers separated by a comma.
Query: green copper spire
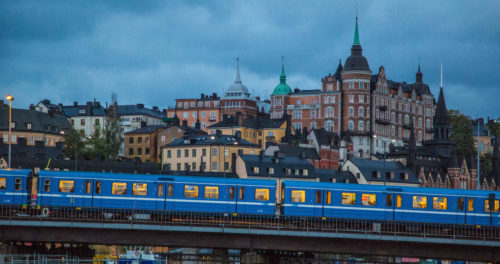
[[356, 34], [282, 88]]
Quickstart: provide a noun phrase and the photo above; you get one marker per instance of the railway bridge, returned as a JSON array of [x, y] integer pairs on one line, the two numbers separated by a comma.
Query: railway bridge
[[176, 229]]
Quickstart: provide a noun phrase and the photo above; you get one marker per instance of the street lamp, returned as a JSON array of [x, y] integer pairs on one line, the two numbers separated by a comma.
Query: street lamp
[[10, 98], [385, 154]]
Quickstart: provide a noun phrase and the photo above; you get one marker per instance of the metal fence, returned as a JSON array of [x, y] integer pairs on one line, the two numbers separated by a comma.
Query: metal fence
[[306, 224]]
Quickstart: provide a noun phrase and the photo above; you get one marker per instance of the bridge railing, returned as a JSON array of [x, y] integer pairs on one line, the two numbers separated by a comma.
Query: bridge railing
[[253, 222]]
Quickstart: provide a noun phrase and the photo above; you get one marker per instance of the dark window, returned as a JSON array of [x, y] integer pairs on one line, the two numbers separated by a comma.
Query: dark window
[[170, 190], [18, 184], [178, 153], [231, 193], [401, 176], [46, 186], [82, 122], [318, 197], [389, 200], [131, 140], [131, 151], [88, 186], [186, 153], [186, 166], [160, 190], [98, 187], [147, 151], [169, 153], [204, 152], [139, 151], [226, 165], [178, 166], [242, 193], [388, 175], [374, 174], [193, 153], [139, 139], [460, 204], [193, 166]]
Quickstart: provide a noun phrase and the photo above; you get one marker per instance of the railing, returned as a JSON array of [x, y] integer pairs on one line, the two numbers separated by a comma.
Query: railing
[[307, 224]]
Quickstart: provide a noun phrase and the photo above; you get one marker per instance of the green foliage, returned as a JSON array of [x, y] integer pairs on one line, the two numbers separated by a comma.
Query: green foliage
[[486, 163], [494, 129], [73, 143], [462, 133], [105, 143]]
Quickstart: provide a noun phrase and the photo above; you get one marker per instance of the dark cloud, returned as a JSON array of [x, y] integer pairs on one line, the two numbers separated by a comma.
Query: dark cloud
[[155, 51]]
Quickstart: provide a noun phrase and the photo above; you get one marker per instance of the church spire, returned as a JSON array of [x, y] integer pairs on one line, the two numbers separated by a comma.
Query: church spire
[[356, 34], [238, 78], [419, 74], [283, 75]]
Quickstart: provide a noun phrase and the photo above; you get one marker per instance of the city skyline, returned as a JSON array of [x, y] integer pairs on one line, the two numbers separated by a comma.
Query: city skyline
[[157, 52]]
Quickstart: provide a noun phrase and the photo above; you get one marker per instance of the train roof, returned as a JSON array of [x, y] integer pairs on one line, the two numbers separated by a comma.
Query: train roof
[[15, 172], [388, 188], [153, 177]]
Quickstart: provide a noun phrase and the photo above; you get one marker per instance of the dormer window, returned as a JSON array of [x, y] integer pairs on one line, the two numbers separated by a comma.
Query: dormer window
[[81, 111], [13, 125]]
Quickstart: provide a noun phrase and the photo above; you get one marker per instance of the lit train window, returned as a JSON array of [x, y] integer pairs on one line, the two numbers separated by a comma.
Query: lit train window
[[328, 197], [419, 202], [487, 206], [170, 190], [191, 191], [88, 185], [66, 186], [470, 205], [348, 198], [368, 199], [398, 201], [119, 188], [241, 194], [262, 194], [211, 192], [440, 203], [460, 204], [3, 183], [46, 186], [160, 190], [298, 196], [18, 184], [140, 189]]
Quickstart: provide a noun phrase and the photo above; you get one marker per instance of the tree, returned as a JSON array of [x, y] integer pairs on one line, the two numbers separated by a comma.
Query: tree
[[462, 133], [73, 143], [494, 128]]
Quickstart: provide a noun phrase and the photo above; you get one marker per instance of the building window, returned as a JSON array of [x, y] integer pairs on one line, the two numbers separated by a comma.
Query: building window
[[178, 166], [194, 114], [203, 152], [215, 151], [297, 114], [255, 169], [361, 111], [82, 122], [186, 153], [361, 86], [193, 166], [361, 125], [361, 98], [212, 115], [329, 125], [313, 113], [131, 151], [169, 153], [214, 165], [329, 112], [313, 125], [270, 171], [428, 123], [351, 98], [207, 104], [297, 126], [351, 85], [350, 125], [139, 151], [179, 153], [146, 151], [32, 139], [351, 111]]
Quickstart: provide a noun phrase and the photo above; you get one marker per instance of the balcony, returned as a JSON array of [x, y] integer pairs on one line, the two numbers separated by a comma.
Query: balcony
[[382, 108], [382, 121]]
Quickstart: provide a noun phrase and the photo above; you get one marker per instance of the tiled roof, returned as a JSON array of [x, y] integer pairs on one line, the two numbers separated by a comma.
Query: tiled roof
[[196, 140], [367, 166], [279, 164], [139, 109], [91, 109], [292, 151], [338, 176], [146, 129], [40, 122]]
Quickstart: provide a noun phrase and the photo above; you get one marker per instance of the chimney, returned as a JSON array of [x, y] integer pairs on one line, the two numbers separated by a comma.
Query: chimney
[[237, 134], [296, 90], [218, 133], [257, 98], [214, 95], [202, 96], [261, 154], [184, 122], [75, 103], [32, 107], [197, 124], [140, 105]]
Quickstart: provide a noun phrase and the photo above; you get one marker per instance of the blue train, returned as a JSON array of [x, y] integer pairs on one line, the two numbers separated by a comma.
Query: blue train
[[51, 190]]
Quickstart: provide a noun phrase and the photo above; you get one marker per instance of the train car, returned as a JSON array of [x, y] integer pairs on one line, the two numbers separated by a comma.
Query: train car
[[220, 195], [14, 187]]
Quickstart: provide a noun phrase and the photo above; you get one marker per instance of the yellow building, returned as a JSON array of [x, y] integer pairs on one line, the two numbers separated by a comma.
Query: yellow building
[[207, 153], [257, 130]]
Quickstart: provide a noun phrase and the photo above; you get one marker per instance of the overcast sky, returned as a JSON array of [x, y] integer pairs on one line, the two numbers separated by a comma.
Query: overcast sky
[[152, 52]]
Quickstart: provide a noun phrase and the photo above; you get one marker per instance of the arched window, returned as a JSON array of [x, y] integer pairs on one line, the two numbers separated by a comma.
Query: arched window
[[428, 123], [351, 111], [361, 125], [329, 112], [361, 111], [350, 125], [329, 125]]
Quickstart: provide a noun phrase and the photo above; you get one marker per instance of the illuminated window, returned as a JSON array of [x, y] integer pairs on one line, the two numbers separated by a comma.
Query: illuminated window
[[66, 186], [3, 183], [139, 189], [88, 186], [160, 190], [119, 188], [398, 200], [298, 196], [261, 194], [368, 199], [328, 197], [419, 202], [487, 206], [170, 190], [348, 198], [460, 204], [440, 203], [211, 192], [191, 191], [241, 193], [470, 204]]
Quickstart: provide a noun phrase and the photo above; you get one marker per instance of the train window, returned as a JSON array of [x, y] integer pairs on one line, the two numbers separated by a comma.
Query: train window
[[487, 206], [298, 196], [388, 200], [262, 194], [419, 202], [348, 198], [439, 203], [140, 189], [98, 187], [119, 188], [318, 197], [88, 186], [328, 197], [460, 204], [470, 204], [241, 194], [170, 190], [191, 191], [160, 190], [211, 192], [231, 193], [3, 183], [398, 200], [46, 186], [66, 186], [369, 199], [18, 184]]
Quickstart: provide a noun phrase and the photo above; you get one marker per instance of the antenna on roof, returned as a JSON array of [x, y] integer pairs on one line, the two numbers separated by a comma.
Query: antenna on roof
[[356, 9], [441, 75]]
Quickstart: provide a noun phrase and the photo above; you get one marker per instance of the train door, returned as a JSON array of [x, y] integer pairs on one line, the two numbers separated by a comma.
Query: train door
[[170, 195], [240, 197], [231, 199], [393, 205], [318, 203], [159, 196], [97, 194], [469, 207], [461, 216]]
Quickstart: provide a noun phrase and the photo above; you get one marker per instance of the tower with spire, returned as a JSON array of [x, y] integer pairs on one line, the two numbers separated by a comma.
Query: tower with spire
[[281, 95], [356, 77]]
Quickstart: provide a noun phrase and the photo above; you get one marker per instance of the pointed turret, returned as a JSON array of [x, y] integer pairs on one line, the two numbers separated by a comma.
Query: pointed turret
[[419, 75], [356, 34], [338, 72], [282, 88], [356, 61], [237, 89], [238, 78], [441, 122]]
